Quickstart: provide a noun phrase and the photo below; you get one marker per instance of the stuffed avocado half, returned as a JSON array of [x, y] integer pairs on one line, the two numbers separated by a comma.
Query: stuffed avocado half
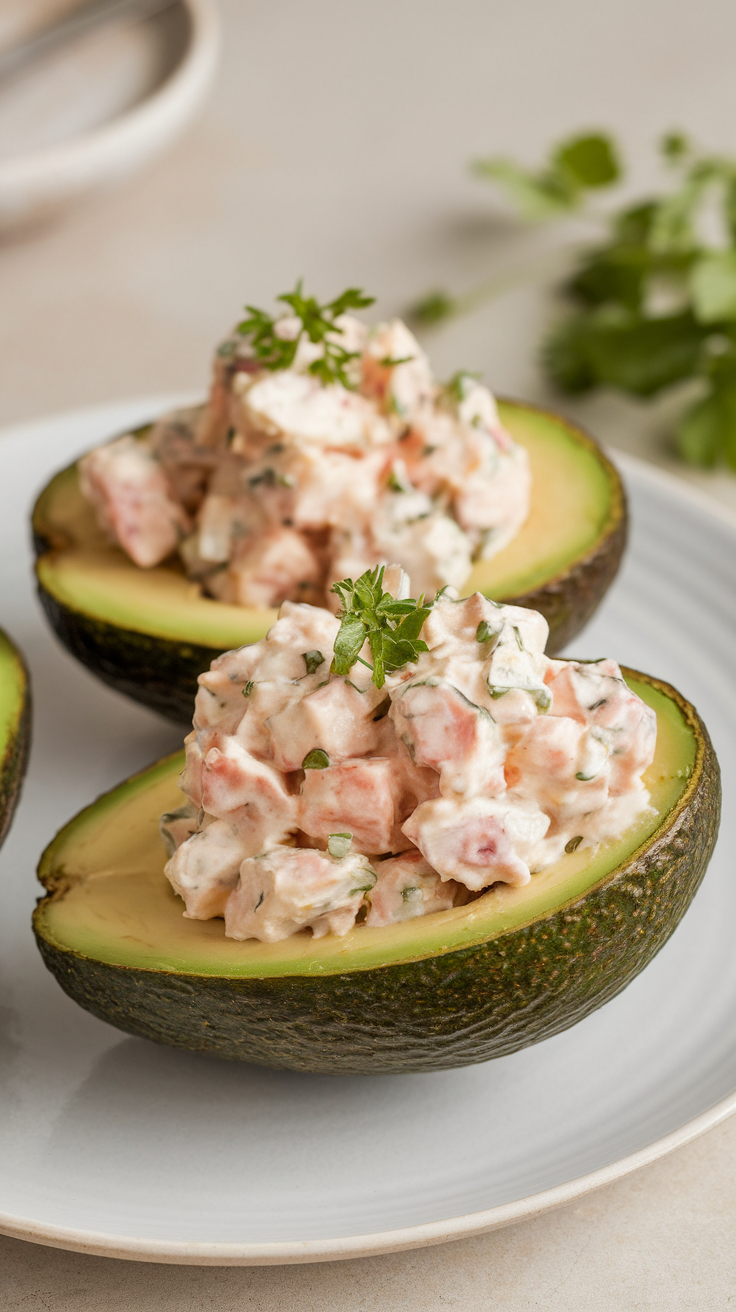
[[15, 729], [511, 968], [149, 632]]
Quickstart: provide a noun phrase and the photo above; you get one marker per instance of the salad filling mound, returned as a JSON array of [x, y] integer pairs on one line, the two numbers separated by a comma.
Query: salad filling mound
[[395, 760], [324, 447]]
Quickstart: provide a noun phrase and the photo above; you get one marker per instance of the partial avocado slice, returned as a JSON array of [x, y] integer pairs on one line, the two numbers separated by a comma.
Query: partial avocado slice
[[149, 633], [509, 969], [15, 729]]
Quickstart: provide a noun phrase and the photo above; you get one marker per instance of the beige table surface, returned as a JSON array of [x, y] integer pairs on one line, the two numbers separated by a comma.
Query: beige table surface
[[334, 147]]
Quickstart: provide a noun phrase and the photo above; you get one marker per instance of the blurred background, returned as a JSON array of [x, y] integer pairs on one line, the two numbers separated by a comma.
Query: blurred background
[[334, 144]]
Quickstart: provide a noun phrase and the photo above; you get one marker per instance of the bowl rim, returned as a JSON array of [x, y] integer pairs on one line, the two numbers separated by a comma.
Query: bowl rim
[[136, 134]]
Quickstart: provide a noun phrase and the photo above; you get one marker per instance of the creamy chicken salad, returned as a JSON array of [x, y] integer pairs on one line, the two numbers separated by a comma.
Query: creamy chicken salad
[[325, 447], [318, 799]]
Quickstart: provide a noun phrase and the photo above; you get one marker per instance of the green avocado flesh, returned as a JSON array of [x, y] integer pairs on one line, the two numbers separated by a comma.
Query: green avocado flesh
[[150, 632], [458, 986], [15, 712]]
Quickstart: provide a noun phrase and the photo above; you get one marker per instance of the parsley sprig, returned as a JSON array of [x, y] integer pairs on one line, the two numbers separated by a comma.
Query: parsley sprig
[[391, 627], [651, 306], [318, 323]]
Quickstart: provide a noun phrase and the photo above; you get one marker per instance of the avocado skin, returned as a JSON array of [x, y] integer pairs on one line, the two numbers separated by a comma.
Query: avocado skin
[[15, 758], [449, 1010], [159, 672]]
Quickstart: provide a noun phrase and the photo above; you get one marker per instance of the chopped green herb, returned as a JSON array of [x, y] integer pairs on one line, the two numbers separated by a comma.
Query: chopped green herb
[[247, 690], [409, 891], [584, 778], [390, 627], [457, 387], [365, 888], [397, 484], [258, 903], [313, 660], [316, 760], [318, 323], [574, 843], [338, 845], [517, 635], [389, 361], [484, 632]]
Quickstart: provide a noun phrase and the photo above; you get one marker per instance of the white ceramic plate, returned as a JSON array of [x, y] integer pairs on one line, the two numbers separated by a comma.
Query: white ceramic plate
[[113, 1145], [100, 107]]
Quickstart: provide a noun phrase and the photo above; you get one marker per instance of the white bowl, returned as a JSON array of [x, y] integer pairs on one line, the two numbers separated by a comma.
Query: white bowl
[[102, 108]]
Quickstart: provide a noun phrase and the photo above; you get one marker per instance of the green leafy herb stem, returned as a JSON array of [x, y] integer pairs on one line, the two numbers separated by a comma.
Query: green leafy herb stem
[[653, 305], [318, 324], [391, 627]]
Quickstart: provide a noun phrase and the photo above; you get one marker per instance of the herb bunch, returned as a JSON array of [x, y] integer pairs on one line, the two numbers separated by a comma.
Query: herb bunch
[[391, 627], [318, 323], [653, 304]]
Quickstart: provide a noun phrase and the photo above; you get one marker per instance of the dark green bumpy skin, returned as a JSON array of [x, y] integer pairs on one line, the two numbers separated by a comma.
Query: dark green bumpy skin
[[448, 1010], [160, 673], [13, 763]]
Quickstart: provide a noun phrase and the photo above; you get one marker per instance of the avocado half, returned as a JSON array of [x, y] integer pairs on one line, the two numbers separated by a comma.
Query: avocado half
[[15, 729], [452, 988], [149, 633]]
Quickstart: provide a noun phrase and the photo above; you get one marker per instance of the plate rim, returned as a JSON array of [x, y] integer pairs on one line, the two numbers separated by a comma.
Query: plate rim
[[468, 1225]]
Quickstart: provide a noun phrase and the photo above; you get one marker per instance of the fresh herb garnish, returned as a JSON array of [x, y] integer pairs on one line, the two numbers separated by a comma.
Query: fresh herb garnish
[[584, 778], [247, 690], [338, 845], [408, 891], [318, 323], [653, 304], [391, 627], [316, 760], [574, 843], [389, 361], [313, 660]]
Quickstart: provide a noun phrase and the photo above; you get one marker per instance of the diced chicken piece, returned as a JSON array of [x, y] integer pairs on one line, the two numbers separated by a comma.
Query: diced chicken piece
[[335, 718], [561, 766], [133, 500], [362, 797], [451, 735], [186, 464], [493, 501], [190, 780], [432, 549], [595, 693], [406, 887], [302, 408], [404, 387], [216, 520], [516, 659], [477, 841], [289, 889], [334, 489], [175, 827], [204, 870], [233, 781], [273, 567]]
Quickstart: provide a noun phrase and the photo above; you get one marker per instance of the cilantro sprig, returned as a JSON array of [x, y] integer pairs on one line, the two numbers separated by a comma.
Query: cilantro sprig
[[318, 323], [652, 305], [391, 627]]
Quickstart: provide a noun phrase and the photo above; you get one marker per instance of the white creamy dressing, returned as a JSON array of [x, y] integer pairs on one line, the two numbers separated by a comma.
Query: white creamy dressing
[[283, 484], [316, 800]]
